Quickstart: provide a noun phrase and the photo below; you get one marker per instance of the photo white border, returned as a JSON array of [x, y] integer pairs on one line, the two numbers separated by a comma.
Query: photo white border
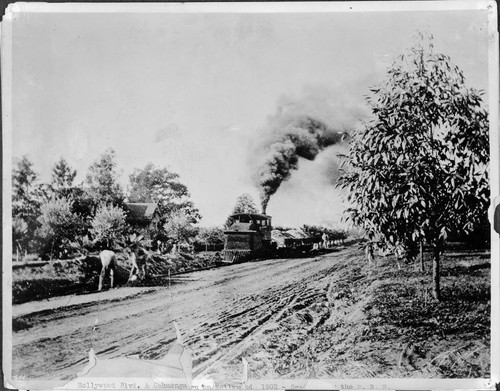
[[494, 100], [261, 7], [6, 69]]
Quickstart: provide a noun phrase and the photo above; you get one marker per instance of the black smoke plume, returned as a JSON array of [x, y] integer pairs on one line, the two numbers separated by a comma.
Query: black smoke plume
[[292, 138]]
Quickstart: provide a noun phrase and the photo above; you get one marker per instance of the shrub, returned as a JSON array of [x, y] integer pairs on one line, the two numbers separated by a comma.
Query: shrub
[[58, 225], [108, 225]]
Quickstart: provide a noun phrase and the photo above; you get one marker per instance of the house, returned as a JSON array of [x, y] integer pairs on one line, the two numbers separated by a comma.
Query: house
[[143, 216]]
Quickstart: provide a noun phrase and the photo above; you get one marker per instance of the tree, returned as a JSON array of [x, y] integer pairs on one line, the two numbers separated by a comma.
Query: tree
[[83, 202], [27, 195], [108, 225], [337, 235], [244, 204], [58, 225], [314, 231], [102, 180], [62, 178], [19, 231], [418, 169], [210, 237], [179, 227], [159, 185], [62, 175]]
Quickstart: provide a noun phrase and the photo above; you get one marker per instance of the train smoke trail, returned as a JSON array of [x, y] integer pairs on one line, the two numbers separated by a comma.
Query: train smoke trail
[[292, 138]]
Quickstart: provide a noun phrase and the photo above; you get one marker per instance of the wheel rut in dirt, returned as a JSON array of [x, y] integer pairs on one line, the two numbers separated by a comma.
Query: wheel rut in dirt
[[222, 313], [232, 335]]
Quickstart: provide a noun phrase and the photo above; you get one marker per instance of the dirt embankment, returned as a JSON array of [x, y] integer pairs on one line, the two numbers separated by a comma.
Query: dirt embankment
[[44, 279]]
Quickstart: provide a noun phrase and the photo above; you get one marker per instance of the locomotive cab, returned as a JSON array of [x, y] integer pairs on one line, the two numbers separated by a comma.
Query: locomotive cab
[[247, 235]]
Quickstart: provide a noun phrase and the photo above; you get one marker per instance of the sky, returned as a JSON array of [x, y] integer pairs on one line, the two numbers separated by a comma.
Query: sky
[[195, 92]]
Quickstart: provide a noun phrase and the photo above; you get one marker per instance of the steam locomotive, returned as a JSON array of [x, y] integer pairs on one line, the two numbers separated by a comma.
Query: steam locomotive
[[251, 235]]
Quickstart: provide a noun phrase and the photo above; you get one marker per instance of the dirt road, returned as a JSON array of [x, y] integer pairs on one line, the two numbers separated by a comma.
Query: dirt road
[[254, 310]]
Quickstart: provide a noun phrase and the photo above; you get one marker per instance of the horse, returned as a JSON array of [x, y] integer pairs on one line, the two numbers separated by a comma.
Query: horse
[[138, 268], [138, 264], [108, 262]]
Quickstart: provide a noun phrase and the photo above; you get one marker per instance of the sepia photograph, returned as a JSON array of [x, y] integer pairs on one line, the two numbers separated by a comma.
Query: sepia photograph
[[250, 196]]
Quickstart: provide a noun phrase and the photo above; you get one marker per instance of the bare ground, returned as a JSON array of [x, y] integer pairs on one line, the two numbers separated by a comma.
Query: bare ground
[[332, 314]]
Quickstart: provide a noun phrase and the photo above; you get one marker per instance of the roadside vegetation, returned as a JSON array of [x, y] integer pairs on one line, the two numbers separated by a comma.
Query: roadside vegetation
[[62, 220], [60, 227], [37, 280]]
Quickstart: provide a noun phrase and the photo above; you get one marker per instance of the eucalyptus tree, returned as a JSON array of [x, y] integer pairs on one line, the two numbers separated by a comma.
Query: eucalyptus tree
[[418, 170]]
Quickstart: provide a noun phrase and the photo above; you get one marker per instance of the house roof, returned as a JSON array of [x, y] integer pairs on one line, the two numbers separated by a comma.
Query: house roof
[[140, 211]]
